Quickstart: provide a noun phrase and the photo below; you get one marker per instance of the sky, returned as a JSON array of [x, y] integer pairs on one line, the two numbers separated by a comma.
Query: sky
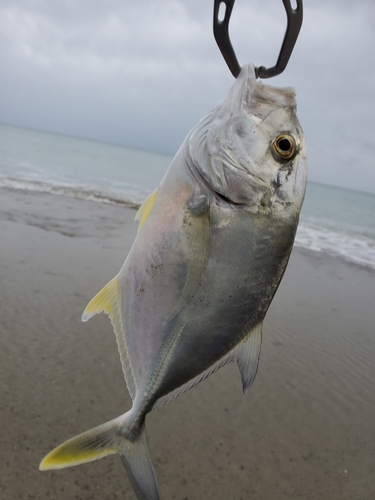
[[142, 74]]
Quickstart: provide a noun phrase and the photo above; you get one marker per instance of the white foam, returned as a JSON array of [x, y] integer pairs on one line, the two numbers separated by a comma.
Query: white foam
[[130, 197], [357, 249]]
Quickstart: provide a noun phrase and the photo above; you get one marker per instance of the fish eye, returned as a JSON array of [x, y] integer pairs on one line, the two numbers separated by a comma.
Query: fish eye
[[284, 146]]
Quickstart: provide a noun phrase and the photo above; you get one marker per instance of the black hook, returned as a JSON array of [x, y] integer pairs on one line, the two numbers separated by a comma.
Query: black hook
[[221, 34]]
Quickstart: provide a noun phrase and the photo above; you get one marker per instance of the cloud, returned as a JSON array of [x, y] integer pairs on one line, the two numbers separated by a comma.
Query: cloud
[[143, 73]]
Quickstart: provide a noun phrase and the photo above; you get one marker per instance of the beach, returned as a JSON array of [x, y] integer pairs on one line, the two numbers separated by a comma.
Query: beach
[[304, 431]]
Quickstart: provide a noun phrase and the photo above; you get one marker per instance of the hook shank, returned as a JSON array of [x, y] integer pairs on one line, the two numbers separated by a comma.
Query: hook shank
[[221, 34]]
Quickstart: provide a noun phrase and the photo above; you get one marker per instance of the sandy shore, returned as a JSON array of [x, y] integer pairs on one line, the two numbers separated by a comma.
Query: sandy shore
[[305, 430]]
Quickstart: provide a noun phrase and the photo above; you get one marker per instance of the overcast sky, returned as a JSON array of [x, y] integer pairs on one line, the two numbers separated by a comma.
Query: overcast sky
[[142, 74]]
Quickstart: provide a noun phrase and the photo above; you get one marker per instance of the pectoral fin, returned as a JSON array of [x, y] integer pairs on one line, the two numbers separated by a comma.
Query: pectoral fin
[[196, 234], [247, 355]]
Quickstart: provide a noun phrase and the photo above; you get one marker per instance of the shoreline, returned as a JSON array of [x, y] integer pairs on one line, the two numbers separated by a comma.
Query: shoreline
[[304, 430], [310, 237]]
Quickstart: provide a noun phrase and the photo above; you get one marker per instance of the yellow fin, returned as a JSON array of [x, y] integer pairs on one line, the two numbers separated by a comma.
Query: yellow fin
[[86, 447], [146, 207], [104, 301], [107, 439], [108, 300]]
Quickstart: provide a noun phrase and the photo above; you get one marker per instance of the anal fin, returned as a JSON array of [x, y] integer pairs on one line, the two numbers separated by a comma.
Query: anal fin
[[108, 300], [104, 301]]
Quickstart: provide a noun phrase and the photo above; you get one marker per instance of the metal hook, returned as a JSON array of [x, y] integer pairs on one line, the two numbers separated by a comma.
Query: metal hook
[[221, 34]]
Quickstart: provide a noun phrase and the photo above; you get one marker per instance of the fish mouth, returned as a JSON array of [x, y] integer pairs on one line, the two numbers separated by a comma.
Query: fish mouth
[[259, 99]]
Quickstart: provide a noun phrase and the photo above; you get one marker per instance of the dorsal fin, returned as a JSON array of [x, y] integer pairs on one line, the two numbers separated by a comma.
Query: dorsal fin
[[108, 300], [248, 352], [247, 355], [146, 207]]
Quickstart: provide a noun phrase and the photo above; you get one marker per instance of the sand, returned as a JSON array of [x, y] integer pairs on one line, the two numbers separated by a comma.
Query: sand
[[305, 430]]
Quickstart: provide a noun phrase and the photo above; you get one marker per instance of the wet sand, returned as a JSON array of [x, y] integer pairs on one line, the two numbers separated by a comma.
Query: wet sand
[[305, 430]]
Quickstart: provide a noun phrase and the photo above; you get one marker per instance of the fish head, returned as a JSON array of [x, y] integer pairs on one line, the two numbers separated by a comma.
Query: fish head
[[251, 148]]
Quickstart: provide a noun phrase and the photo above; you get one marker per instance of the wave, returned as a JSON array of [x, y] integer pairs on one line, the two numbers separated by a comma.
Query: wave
[[357, 249], [131, 198]]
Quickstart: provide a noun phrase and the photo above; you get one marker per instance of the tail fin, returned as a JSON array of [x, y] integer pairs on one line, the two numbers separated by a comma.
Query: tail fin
[[104, 440], [138, 465]]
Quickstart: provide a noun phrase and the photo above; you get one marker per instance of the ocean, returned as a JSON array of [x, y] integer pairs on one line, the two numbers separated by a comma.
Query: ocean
[[336, 221]]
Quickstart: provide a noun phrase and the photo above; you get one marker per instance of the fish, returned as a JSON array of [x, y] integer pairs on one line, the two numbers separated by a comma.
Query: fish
[[213, 243]]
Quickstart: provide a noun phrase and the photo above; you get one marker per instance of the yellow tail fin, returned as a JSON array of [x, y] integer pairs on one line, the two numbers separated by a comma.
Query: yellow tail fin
[[86, 447], [108, 439]]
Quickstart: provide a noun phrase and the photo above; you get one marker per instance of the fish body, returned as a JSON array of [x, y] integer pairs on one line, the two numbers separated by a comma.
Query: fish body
[[213, 243]]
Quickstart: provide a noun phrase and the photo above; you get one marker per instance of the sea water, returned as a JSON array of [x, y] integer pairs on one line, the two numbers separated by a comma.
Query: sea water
[[333, 220]]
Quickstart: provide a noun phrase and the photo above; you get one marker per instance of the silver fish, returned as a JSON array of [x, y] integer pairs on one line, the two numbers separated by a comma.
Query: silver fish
[[213, 243]]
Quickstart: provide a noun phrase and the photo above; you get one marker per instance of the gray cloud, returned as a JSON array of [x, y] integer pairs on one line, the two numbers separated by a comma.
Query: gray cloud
[[143, 73]]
